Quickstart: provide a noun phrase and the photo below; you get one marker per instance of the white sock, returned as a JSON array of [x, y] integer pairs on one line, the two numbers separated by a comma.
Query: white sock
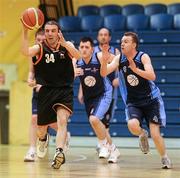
[[103, 142], [32, 149], [112, 147]]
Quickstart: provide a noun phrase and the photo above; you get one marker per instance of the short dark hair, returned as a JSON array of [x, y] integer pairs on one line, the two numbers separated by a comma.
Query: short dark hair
[[52, 22], [134, 37], [86, 39], [40, 31]]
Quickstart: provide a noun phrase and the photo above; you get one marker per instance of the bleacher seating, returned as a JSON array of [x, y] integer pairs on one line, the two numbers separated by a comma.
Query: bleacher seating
[[91, 23], [132, 9], [161, 22], [109, 9], [88, 10], [160, 39], [137, 22], [155, 8], [173, 8], [115, 22]]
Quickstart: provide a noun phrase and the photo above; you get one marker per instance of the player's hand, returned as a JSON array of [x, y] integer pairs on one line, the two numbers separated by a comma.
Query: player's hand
[[78, 72], [132, 65], [62, 41], [37, 87], [105, 52], [31, 82], [81, 98]]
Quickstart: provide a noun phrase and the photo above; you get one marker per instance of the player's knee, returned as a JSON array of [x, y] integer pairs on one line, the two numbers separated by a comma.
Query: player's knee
[[62, 121], [133, 125], [34, 120], [41, 132], [93, 120]]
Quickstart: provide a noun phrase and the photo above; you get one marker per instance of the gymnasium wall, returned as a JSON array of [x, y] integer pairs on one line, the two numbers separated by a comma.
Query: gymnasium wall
[[20, 93], [77, 3]]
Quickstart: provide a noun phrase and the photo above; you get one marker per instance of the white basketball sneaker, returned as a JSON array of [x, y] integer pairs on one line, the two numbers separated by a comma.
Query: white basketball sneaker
[[30, 156], [104, 152], [114, 155], [42, 147]]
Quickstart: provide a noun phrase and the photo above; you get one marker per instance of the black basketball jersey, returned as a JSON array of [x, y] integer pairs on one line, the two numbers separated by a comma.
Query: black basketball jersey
[[54, 68], [134, 88], [93, 84]]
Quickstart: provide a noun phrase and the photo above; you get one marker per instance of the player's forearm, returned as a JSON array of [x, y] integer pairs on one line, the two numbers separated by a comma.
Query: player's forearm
[[25, 44], [73, 51], [145, 74], [103, 69]]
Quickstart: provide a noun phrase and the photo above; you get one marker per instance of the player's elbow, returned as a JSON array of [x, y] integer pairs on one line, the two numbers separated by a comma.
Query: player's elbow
[[103, 74], [153, 77]]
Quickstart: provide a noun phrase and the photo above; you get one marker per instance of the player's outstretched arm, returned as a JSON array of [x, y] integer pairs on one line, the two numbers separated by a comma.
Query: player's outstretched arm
[[25, 49], [70, 47]]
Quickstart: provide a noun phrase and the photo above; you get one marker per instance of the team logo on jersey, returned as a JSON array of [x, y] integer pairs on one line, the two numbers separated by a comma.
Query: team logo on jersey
[[155, 119], [132, 80], [90, 81], [50, 58], [94, 70], [125, 69], [61, 54]]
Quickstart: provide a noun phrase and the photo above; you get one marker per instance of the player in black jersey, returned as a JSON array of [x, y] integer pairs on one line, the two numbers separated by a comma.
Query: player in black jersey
[[54, 71], [139, 93]]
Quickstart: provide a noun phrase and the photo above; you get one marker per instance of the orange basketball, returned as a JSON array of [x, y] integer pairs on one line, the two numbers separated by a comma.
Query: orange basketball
[[32, 18]]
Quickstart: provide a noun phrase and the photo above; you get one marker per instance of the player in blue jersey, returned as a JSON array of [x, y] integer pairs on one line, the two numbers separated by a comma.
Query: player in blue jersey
[[96, 92], [104, 37], [140, 94]]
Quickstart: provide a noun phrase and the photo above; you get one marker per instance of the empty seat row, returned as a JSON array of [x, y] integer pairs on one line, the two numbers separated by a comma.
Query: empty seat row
[[120, 22], [129, 9]]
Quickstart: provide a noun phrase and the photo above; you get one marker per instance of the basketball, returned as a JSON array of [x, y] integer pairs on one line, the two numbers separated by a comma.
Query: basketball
[[32, 18]]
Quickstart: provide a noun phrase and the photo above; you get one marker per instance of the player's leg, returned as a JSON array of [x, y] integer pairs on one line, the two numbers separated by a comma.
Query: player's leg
[[42, 141], [31, 154], [62, 120], [134, 116], [156, 117]]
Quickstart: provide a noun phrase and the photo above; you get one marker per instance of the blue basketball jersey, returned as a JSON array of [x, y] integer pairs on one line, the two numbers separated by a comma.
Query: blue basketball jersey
[[93, 84], [134, 88], [112, 75]]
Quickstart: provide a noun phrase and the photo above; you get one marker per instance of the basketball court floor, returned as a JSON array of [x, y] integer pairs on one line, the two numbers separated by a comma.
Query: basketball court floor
[[82, 162]]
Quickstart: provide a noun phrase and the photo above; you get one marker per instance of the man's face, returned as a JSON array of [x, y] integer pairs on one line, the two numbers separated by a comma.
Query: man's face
[[103, 36], [40, 38], [51, 33], [127, 44], [85, 49]]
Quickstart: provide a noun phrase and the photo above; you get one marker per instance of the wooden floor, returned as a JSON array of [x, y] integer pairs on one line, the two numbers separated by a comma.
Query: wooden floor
[[82, 162]]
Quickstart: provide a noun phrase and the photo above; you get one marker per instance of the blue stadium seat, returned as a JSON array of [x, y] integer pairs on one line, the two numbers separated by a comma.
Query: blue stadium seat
[[132, 9], [115, 22], [155, 8], [177, 21], [173, 8], [137, 22], [161, 22], [87, 10], [91, 23], [166, 63], [168, 77], [159, 37], [160, 50], [70, 24], [110, 9], [169, 90]]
